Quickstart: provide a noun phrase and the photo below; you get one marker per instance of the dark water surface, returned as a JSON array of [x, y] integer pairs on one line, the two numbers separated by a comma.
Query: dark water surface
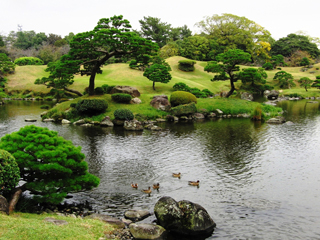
[[257, 181]]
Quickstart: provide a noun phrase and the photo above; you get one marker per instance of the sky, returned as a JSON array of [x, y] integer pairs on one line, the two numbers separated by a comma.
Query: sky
[[279, 17]]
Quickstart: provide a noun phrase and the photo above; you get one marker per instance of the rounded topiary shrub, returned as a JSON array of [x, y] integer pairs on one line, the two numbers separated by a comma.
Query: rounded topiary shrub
[[186, 65], [121, 97], [180, 86], [267, 66], [28, 61], [91, 106], [9, 171], [106, 88], [123, 114], [98, 91], [180, 97]]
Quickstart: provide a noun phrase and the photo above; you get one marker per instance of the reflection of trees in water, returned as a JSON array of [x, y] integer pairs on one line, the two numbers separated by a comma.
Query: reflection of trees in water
[[231, 144], [293, 110]]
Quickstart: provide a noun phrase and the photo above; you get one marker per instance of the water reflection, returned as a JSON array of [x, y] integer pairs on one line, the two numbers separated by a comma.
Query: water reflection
[[257, 181]]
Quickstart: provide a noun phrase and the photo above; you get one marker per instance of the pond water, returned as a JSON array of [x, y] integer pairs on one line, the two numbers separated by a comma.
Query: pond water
[[257, 181]]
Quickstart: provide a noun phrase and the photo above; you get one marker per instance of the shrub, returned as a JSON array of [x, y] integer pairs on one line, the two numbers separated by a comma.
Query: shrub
[[198, 93], [183, 110], [267, 66], [73, 105], [98, 91], [50, 166], [91, 106], [9, 171], [28, 61], [207, 92], [180, 97], [44, 107], [186, 65], [121, 97], [123, 114], [107, 89], [318, 77], [180, 86]]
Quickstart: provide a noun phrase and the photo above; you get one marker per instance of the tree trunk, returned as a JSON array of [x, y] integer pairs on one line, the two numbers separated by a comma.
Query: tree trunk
[[73, 91], [232, 88], [153, 86], [14, 200]]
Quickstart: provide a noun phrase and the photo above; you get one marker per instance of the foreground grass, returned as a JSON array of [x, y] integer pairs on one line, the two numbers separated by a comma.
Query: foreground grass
[[32, 226]]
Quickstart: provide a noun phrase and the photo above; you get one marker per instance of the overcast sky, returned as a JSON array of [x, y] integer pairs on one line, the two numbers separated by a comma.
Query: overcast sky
[[279, 17]]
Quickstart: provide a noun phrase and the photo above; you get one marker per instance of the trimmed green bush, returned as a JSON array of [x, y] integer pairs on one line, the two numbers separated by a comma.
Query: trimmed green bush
[[22, 61], [267, 66], [121, 97], [107, 89], [180, 86], [50, 166], [181, 97], [198, 93], [98, 91], [9, 171], [187, 65], [207, 92], [123, 114], [91, 106], [44, 106]]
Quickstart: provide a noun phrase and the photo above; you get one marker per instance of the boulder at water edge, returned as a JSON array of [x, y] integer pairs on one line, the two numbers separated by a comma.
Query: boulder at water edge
[[147, 231], [184, 217]]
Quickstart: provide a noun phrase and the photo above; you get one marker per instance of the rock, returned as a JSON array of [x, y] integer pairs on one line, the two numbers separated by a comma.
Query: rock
[[86, 125], [79, 122], [106, 122], [118, 122], [247, 96], [4, 206], [183, 110], [65, 121], [136, 215], [271, 95], [147, 231], [127, 222], [219, 112], [277, 120], [135, 101], [133, 125], [56, 221], [212, 115], [43, 113], [184, 217], [160, 120], [48, 120], [161, 102], [115, 222], [171, 118], [289, 123], [126, 89], [198, 116], [30, 120]]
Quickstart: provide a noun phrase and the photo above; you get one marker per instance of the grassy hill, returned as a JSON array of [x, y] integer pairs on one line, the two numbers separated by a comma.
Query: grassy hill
[[121, 74]]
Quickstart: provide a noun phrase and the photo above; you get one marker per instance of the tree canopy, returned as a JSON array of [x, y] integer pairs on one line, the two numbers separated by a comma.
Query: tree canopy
[[112, 37], [234, 32], [228, 65], [50, 166], [288, 45], [285, 79], [157, 73]]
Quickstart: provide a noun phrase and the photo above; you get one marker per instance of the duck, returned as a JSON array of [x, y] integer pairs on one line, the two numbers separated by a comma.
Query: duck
[[134, 185], [178, 175], [193, 183], [148, 191], [156, 186]]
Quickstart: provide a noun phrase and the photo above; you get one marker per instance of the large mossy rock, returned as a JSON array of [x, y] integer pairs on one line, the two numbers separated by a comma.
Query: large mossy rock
[[183, 218], [184, 110]]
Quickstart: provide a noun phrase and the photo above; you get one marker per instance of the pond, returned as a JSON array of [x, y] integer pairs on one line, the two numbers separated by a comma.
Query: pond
[[257, 181]]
